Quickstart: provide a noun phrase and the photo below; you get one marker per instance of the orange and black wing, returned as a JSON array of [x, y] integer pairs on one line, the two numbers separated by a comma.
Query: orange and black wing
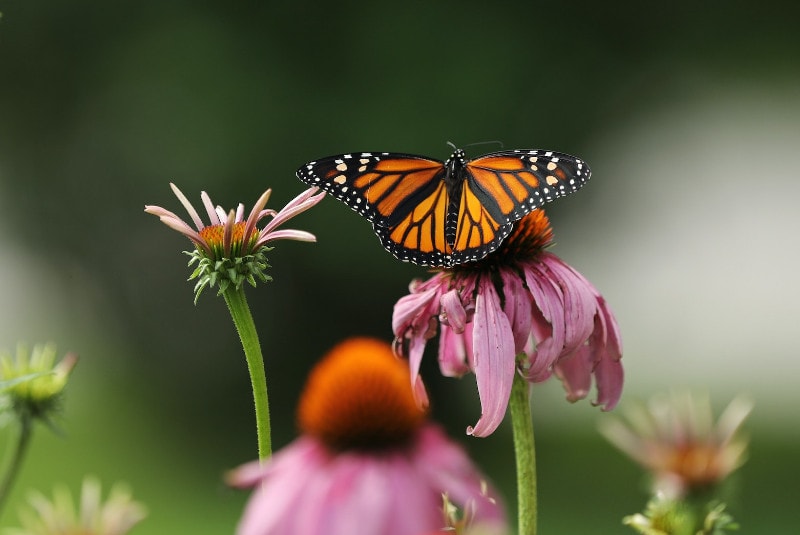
[[502, 187], [404, 196]]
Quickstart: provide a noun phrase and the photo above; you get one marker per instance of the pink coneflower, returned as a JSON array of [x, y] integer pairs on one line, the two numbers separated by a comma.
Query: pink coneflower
[[367, 461], [675, 438], [519, 310], [231, 249]]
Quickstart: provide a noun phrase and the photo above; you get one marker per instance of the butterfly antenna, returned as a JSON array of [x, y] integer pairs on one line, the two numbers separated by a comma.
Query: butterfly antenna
[[500, 143]]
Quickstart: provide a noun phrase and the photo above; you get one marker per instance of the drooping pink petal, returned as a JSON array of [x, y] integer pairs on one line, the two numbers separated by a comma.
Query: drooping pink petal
[[410, 308], [453, 311], [517, 308], [416, 347], [452, 353], [548, 300], [608, 376], [580, 303], [495, 364], [575, 372], [608, 372]]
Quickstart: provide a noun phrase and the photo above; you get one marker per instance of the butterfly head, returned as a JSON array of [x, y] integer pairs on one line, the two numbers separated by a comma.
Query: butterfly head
[[455, 162]]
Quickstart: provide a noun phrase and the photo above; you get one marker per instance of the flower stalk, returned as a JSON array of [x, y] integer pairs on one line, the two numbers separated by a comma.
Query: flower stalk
[[243, 320], [525, 455], [23, 441], [230, 251]]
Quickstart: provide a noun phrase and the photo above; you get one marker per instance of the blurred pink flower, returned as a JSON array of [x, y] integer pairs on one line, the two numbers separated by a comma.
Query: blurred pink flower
[[367, 461], [676, 439], [519, 310]]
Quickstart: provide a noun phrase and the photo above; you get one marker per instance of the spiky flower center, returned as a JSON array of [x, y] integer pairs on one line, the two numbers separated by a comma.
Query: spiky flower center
[[359, 397], [697, 464], [530, 236], [214, 236]]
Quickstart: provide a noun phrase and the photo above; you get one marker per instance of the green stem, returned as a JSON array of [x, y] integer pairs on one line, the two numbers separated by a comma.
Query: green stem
[[26, 428], [240, 312], [525, 454]]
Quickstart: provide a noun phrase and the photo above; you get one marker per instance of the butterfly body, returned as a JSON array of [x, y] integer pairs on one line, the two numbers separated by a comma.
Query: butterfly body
[[435, 213]]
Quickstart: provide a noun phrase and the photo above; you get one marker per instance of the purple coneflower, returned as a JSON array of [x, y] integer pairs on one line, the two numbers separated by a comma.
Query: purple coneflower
[[519, 310], [367, 460], [230, 250]]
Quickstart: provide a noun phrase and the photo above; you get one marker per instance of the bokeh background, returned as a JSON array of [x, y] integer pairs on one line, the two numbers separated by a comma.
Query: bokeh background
[[689, 115]]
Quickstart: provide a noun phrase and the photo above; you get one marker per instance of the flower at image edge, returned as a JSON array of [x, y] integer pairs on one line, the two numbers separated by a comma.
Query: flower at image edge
[[367, 460], [676, 439], [92, 516], [34, 382]]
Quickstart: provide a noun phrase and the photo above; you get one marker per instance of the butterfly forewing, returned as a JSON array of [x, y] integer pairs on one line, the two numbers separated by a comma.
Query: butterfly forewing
[[383, 187], [511, 184]]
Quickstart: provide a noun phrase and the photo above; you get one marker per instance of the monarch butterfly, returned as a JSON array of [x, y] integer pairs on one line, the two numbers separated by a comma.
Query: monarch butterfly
[[435, 213]]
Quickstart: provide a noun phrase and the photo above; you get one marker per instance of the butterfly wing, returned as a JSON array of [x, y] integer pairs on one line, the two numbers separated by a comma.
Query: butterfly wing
[[511, 184], [501, 188], [403, 195], [407, 200]]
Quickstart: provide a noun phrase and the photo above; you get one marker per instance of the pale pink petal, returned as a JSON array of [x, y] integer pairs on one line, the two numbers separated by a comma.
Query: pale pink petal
[[254, 217], [222, 215], [213, 215], [286, 234], [495, 364], [299, 204], [239, 213], [188, 206]]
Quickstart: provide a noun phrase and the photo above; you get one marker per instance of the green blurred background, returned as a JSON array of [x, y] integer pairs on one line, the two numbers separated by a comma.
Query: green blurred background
[[688, 113]]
